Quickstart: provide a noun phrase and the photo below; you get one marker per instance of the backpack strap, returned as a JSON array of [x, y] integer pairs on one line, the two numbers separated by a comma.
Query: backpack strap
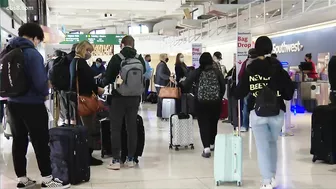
[[121, 56], [137, 56]]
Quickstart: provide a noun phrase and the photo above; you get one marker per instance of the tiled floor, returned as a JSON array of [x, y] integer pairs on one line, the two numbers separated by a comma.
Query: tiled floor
[[164, 169]]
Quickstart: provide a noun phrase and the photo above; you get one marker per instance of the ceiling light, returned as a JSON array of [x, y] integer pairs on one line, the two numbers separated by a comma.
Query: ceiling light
[[293, 5], [278, 10], [257, 16], [105, 15], [266, 13]]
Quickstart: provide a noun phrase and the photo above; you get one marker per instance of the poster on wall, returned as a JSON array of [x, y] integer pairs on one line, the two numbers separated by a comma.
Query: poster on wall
[[103, 50], [196, 54], [244, 43]]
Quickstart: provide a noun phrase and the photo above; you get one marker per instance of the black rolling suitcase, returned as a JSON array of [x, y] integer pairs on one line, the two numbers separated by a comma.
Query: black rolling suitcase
[[323, 134], [69, 153], [141, 141]]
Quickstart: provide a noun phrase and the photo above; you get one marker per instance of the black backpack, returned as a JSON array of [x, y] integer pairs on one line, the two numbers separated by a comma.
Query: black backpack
[[59, 74], [12, 72], [266, 102]]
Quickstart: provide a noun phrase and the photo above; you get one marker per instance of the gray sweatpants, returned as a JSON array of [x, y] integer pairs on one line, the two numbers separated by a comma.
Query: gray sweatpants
[[124, 107]]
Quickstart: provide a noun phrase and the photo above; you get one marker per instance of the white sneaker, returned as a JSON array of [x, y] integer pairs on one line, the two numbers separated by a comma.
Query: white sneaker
[[114, 165], [26, 184], [55, 183], [243, 129], [267, 186], [274, 183], [130, 162]]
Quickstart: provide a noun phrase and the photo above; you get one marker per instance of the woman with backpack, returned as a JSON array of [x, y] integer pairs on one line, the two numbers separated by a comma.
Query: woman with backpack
[[210, 89], [269, 85]]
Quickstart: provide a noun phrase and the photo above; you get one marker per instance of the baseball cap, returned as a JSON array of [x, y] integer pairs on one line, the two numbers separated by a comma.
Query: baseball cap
[[218, 55]]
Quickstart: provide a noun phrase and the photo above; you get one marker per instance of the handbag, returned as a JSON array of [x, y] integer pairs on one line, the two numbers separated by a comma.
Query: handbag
[[87, 105], [170, 92]]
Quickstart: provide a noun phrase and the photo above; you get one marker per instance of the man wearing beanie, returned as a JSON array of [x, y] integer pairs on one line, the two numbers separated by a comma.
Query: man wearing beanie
[[266, 76]]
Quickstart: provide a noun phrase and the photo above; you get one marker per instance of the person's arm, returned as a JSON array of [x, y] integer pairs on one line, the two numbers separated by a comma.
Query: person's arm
[[37, 72], [112, 70], [242, 88], [222, 84], [89, 73]]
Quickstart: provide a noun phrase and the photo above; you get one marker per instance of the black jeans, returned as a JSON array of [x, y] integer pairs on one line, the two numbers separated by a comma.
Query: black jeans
[[207, 116], [32, 119], [159, 104], [124, 107]]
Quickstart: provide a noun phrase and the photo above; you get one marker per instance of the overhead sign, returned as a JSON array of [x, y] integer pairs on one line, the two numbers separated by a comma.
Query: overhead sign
[[287, 48], [196, 54], [244, 44], [4, 3], [97, 39]]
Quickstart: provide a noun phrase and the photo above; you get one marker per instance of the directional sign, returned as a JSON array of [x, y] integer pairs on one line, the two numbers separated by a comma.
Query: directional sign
[[97, 39]]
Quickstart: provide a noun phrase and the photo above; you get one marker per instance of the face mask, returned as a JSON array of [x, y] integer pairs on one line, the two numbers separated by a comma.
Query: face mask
[[149, 60], [87, 56], [98, 65], [181, 59], [167, 59]]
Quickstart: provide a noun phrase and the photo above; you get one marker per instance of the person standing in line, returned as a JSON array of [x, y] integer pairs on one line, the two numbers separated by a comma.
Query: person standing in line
[[252, 55], [266, 71], [217, 58], [210, 86], [313, 73], [87, 85], [125, 107], [28, 113], [98, 68], [181, 71], [148, 76], [162, 79]]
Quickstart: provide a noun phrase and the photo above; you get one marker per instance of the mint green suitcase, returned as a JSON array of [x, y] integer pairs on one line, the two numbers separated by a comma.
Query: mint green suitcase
[[228, 159]]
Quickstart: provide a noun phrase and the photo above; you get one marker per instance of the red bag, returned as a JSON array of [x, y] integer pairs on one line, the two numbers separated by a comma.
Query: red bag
[[225, 109]]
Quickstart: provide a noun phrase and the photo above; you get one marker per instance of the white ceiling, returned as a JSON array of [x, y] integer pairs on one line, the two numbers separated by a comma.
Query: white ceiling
[[90, 14]]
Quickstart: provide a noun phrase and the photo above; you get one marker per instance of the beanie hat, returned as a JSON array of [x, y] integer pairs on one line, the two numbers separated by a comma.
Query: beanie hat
[[263, 45]]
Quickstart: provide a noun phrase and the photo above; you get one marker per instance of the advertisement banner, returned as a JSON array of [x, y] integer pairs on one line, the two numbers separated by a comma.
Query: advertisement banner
[[244, 43], [196, 54]]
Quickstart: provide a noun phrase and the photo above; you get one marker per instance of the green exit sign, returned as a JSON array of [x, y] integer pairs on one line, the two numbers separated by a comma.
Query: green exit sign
[[97, 39]]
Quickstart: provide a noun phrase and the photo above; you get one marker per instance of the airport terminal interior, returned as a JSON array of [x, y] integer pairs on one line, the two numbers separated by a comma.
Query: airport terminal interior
[[302, 33]]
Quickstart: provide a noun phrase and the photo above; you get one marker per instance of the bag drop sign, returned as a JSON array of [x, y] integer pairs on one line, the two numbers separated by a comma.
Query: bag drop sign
[[244, 43]]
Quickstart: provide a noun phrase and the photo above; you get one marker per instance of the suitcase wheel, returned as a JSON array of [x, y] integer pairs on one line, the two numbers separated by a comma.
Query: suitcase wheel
[[170, 146], [314, 159], [239, 183], [192, 147], [176, 148]]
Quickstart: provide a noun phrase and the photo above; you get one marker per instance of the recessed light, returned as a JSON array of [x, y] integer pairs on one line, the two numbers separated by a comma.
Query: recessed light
[[278, 10], [257, 16], [88, 10], [266, 13], [293, 5]]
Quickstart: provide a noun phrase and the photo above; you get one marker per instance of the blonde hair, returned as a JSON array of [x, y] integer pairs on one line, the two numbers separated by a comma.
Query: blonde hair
[[163, 56], [82, 48]]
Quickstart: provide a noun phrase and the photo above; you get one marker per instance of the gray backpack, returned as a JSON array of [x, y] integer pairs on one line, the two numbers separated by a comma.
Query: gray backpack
[[132, 74], [208, 86]]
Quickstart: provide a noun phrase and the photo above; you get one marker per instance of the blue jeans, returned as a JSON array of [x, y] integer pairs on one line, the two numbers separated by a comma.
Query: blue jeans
[[245, 114], [266, 131]]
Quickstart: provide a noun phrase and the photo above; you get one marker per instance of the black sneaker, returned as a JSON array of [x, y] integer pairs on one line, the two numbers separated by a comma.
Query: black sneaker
[[25, 185], [95, 162], [55, 183]]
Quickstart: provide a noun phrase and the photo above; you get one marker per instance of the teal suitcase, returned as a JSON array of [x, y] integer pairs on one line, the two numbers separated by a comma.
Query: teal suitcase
[[228, 159]]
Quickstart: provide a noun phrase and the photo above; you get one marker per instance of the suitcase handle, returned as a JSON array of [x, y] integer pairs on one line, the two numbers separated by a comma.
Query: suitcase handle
[[235, 162]]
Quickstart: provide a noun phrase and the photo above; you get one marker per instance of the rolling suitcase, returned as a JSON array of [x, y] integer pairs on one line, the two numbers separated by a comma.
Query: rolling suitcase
[[188, 104], [224, 111], [69, 152], [228, 158], [168, 108], [323, 134], [181, 131], [141, 141]]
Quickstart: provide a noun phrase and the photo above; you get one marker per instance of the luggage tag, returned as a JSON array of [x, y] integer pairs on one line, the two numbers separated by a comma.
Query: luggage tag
[[118, 81]]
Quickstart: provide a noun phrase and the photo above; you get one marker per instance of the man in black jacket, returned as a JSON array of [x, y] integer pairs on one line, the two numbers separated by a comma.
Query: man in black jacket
[[332, 78], [123, 106]]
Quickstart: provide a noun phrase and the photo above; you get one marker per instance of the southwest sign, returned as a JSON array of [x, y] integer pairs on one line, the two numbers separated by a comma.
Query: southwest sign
[[287, 48], [97, 39]]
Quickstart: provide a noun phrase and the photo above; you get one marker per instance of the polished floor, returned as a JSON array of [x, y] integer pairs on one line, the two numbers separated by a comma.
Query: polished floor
[[161, 168]]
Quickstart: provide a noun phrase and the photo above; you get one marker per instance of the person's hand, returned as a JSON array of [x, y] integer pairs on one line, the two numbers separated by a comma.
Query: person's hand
[[100, 91], [172, 79]]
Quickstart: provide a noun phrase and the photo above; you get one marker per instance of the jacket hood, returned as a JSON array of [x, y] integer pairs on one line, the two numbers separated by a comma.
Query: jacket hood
[[20, 41], [263, 67], [128, 52]]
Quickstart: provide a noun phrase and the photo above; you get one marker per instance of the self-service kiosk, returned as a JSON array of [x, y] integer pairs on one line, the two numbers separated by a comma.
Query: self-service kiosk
[[286, 128]]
